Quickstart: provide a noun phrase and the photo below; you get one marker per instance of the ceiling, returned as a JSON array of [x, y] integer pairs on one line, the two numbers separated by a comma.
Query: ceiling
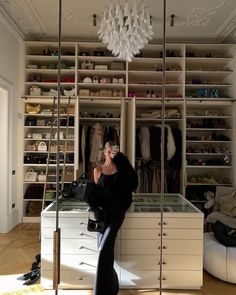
[[195, 20]]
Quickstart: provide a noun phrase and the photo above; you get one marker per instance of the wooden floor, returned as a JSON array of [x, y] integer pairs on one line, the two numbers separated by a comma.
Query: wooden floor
[[19, 247]]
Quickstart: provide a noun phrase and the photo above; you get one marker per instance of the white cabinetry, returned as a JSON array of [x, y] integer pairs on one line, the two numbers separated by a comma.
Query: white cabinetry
[[210, 123], [37, 127], [137, 248], [200, 84]]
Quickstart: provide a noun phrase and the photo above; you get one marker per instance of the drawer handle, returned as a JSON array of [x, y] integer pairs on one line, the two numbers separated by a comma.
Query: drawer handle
[[80, 278], [163, 262], [163, 247], [163, 278], [164, 234], [164, 223], [81, 222], [81, 234]]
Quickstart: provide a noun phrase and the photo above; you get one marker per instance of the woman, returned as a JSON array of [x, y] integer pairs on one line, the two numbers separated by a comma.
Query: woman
[[114, 182]]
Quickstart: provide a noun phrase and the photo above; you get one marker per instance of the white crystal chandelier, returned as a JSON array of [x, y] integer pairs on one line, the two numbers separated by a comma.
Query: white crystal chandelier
[[125, 30]]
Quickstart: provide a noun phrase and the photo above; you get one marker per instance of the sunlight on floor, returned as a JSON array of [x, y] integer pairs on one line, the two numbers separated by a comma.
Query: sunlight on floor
[[10, 285]]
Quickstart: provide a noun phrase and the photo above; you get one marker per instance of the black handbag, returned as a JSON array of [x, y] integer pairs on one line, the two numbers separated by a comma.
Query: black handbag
[[224, 234], [97, 224], [78, 187]]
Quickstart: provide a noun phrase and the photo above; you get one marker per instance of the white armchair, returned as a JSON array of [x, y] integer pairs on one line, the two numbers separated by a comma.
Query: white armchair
[[224, 207]]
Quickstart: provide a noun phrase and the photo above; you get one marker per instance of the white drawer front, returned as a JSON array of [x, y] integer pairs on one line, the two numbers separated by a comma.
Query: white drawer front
[[69, 232], [135, 222], [64, 222], [71, 262], [152, 262], [169, 247], [182, 279], [69, 279], [171, 279], [187, 234], [139, 279], [68, 246]]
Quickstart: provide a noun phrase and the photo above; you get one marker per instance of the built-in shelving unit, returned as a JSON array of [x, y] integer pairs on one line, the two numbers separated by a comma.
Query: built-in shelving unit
[[200, 87]]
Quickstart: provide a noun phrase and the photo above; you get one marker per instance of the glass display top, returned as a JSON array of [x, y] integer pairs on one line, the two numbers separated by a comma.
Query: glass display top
[[141, 203]]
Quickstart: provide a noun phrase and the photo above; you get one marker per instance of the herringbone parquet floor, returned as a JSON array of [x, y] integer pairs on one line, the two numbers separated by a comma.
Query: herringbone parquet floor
[[19, 247]]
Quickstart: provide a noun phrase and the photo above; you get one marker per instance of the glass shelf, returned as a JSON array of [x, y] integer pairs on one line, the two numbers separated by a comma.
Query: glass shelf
[[142, 203]]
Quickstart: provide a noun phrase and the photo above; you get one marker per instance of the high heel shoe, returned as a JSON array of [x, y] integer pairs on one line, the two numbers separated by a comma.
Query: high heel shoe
[[33, 278], [28, 275]]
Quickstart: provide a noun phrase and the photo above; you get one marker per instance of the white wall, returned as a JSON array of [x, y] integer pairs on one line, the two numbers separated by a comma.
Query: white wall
[[9, 72]]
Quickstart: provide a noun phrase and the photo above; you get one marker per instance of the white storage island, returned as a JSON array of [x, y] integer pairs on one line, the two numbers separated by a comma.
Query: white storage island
[[137, 246]]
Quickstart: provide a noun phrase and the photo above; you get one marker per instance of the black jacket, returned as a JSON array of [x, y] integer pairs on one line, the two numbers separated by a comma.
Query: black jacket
[[118, 196]]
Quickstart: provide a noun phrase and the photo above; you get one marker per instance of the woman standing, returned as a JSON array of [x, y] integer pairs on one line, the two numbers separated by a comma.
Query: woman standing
[[114, 182]]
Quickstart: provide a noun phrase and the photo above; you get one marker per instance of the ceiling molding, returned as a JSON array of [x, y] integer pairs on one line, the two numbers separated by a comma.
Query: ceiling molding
[[10, 25], [228, 27]]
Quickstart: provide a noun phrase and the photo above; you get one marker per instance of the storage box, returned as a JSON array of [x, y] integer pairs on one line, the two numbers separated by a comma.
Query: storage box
[[105, 92]]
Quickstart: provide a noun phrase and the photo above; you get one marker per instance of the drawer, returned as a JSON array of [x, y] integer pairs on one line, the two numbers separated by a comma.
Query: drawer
[[139, 279], [71, 262], [171, 279], [191, 279], [69, 279], [186, 234], [64, 222], [69, 246], [152, 247], [168, 222], [70, 232], [152, 262]]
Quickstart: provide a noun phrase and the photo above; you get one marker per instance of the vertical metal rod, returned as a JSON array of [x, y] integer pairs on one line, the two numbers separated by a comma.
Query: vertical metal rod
[[162, 141], [56, 236]]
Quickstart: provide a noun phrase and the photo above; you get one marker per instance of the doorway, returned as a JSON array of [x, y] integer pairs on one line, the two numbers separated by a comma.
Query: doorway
[[6, 183]]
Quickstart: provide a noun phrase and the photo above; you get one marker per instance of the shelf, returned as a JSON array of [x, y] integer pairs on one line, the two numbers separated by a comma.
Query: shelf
[[50, 165], [101, 72], [208, 117], [84, 119], [207, 141], [205, 154], [208, 184], [208, 129], [208, 167]]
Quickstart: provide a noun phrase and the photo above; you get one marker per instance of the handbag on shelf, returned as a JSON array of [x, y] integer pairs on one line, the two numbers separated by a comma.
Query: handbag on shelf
[[97, 223], [86, 65], [42, 177], [32, 108], [118, 92], [31, 175], [34, 191], [105, 93], [35, 91], [42, 146], [31, 147], [36, 135], [40, 122], [84, 92]]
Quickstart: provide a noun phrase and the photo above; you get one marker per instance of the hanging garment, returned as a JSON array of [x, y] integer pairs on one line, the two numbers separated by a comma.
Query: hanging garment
[[96, 150], [145, 142]]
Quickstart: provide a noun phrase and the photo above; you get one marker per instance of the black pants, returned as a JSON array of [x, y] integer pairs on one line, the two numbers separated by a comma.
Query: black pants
[[106, 282]]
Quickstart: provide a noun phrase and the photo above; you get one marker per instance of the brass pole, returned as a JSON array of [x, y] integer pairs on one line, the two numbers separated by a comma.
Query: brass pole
[[162, 143], [56, 236]]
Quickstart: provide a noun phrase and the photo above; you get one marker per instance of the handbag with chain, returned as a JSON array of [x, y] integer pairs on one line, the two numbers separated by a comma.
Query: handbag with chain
[[97, 223]]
